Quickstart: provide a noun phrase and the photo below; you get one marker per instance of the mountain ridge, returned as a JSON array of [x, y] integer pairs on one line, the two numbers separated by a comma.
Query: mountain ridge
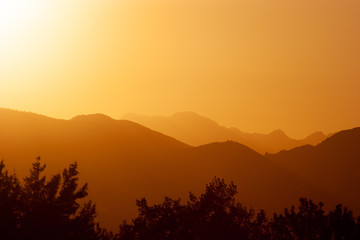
[[333, 164], [123, 161], [194, 129]]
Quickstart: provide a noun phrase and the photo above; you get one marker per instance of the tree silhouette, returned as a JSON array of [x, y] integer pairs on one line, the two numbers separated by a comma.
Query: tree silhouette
[[46, 209], [342, 224], [216, 215], [50, 207], [213, 215], [311, 222], [10, 198]]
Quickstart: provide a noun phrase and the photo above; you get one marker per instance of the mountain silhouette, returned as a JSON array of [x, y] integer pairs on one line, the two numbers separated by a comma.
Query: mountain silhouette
[[123, 161], [334, 165], [195, 130], [92, 117]]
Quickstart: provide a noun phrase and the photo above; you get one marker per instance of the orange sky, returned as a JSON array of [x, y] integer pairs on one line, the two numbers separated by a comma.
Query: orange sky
[[255, 64]]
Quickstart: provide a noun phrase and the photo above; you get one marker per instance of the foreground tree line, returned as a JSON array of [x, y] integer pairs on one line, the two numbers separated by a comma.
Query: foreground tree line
[[40, 208]]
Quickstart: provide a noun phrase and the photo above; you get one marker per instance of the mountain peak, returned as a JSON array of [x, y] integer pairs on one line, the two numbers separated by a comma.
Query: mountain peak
[[186, 114], [194, 118], [317, 134], [98, 117], [277, 132]]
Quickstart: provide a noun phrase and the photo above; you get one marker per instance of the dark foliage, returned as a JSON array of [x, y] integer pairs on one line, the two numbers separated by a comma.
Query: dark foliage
[[41, 208], [311, 222], [216, 215]]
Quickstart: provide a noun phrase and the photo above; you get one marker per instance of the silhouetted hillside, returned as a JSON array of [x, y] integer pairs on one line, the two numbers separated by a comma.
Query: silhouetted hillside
[[123, 161], [42, 208], [216, 215], [196, 130], [333, 165], [92, 118]]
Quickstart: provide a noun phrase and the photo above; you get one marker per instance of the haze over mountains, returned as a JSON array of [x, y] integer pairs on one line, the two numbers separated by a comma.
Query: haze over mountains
[[123, 161], [334, 165], [195, 130]]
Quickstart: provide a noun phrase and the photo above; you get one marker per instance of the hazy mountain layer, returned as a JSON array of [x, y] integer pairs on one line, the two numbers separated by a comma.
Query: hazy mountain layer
[[123, 161], [334, 165], [195, 130]]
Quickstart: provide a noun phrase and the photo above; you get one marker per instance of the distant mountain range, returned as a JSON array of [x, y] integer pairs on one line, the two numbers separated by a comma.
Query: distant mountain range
[[195, 130], [123, 161], [334, 165]]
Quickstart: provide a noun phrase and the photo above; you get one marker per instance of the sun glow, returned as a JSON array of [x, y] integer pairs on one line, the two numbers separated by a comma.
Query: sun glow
[[26, 39], [21, 21], [290, 59], [19, 15]]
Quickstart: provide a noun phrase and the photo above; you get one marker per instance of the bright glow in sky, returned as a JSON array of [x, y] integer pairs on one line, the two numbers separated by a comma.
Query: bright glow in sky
[[259, 65]]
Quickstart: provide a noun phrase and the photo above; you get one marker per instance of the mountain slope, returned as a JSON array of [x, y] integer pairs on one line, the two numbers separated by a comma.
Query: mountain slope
[[196, 130], [333, 165], [123, 161]]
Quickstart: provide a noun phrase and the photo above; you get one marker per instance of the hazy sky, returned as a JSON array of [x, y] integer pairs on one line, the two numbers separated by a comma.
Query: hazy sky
[[259, 65]]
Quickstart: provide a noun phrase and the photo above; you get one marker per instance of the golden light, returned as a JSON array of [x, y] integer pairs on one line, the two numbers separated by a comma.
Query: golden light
[[17, 20], [287, 58], [27, 34], [18, 16], [21, 21]]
